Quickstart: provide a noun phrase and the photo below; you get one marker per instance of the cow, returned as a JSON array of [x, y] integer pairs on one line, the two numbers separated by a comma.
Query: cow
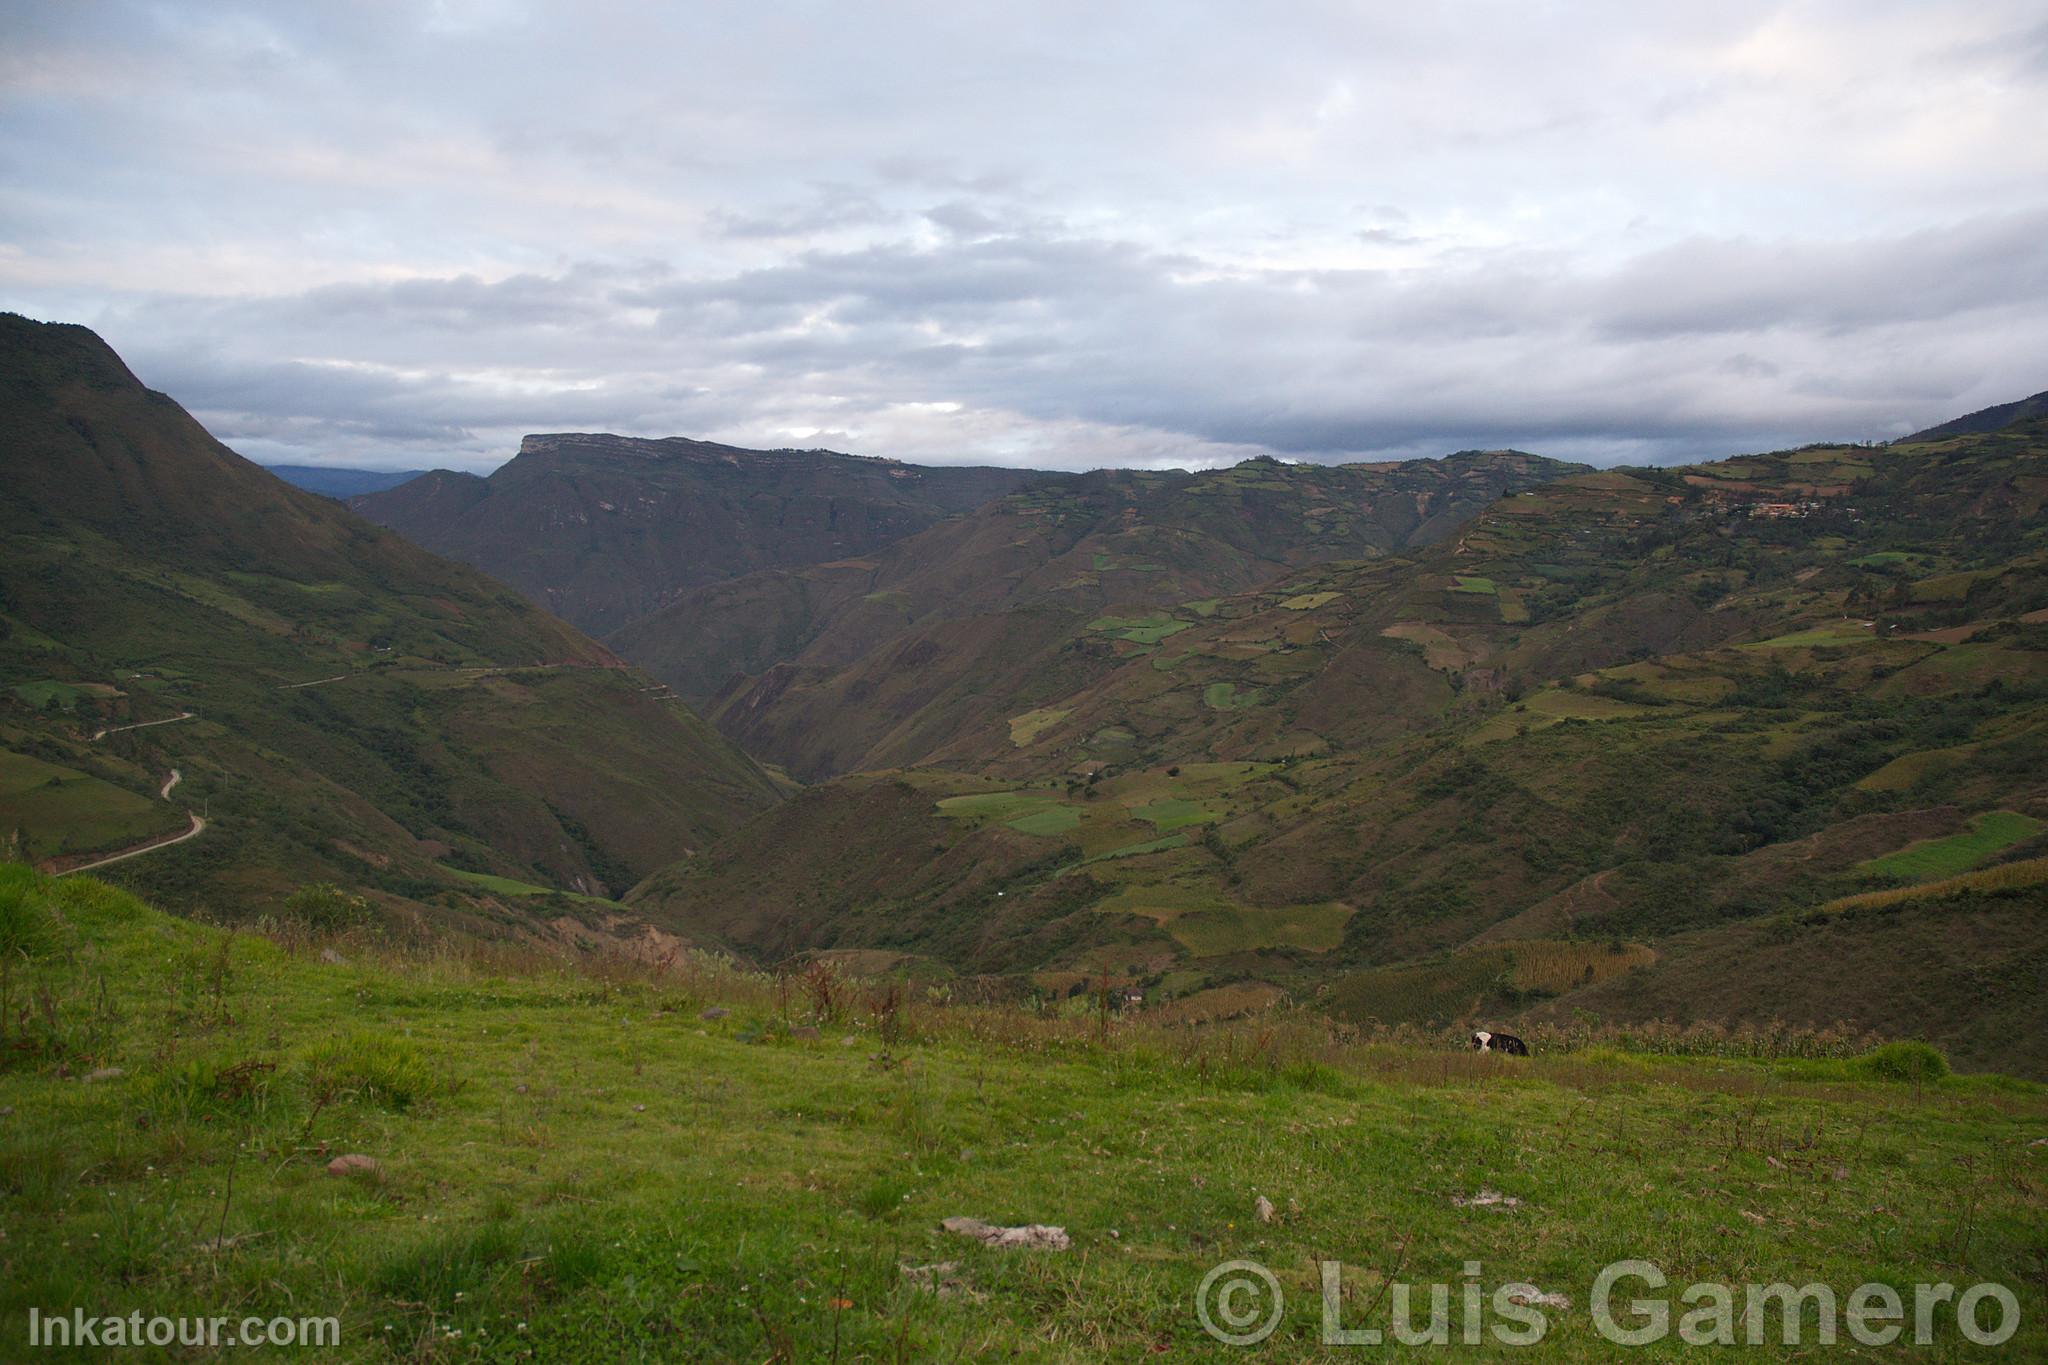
[[1482, 1041]]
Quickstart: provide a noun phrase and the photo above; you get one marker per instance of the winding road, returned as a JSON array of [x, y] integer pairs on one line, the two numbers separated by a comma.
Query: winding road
[[198, 825], [173, 780], [142, 725]]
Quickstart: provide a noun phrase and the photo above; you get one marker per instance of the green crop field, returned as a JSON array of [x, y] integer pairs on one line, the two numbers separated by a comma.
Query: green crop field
[[41, 694], [55, 809], [1223, 696], [1028, 727], [571, 1164], [1174, 813], [506, 886], [1053, 820], [1819, 636], [1990, 833]]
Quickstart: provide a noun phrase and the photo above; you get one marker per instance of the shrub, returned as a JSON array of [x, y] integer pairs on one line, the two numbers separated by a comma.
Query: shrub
[[375, 1067], [207, 1088], [26, 926], [327, 908], [1920, 1063]]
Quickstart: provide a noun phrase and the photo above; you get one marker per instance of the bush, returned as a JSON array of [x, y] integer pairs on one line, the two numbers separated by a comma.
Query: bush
[[1920, 1063], [26, 927], [375, 1067], [202, 1088], [327, 908]]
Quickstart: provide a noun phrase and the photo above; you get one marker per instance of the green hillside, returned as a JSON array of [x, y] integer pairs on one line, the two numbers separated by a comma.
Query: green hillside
[[337, 705], [578, 1160], [1628, 708], [887, 659]]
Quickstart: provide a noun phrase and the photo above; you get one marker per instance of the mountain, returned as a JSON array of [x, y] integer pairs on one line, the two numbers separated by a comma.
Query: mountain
[[184, 636], [885, 659], [339, 481], [604, 529], [1983, 420], [1610, 746]]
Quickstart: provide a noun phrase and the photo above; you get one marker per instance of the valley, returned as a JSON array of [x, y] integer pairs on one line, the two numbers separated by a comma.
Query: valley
[[1409, 744]]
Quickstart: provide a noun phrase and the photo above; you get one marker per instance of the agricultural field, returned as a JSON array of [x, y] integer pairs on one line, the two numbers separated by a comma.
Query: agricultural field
[[50, 809], [1989, 834], [1501, 978]]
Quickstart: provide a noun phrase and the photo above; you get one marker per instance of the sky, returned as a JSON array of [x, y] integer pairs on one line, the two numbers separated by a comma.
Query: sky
[[403, 235]]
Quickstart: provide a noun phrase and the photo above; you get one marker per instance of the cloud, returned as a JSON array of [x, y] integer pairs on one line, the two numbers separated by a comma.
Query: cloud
[[1050, 233]]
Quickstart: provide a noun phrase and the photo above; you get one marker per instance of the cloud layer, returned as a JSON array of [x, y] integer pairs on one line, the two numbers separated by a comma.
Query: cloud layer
[[1050, 234]]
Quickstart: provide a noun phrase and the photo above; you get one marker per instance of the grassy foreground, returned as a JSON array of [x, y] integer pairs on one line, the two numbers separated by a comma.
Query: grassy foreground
[[574, 1164]]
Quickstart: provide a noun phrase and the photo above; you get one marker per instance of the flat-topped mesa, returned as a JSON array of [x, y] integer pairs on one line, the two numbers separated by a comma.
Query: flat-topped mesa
[[675, 448], [602, 529]]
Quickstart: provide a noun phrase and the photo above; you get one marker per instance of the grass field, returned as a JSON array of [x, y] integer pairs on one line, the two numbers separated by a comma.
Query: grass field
[[54, 809], [1028, 727], [1174, 813], [1989, 833], [1819, 636], [506, 886], [1223, 696], [573, 1165]]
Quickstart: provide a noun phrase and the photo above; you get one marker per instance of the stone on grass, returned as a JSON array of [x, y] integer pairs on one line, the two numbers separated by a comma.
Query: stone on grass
[[1487, 1198], [354, 1163], [1529, 1296], [715, 1012], [807, 1032], [942, 1278], [1029, 1237]]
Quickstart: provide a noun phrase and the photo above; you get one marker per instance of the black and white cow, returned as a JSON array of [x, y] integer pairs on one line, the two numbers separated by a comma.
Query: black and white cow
[[1482, 1041]]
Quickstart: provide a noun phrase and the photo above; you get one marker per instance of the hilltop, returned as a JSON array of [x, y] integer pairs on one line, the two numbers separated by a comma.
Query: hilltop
[[577, 1158], [184, 638], [602, 530]]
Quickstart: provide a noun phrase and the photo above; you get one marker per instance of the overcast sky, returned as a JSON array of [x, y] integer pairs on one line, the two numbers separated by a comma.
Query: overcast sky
[[1054, 234]]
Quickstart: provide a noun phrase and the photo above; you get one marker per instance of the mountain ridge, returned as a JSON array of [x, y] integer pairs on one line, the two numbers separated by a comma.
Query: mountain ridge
[[348, 707], [603, 529]]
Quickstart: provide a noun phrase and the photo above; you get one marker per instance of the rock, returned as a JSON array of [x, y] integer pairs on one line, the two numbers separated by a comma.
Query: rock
[[354, 1163], [332, 958], [105, 1073], [1262, 1209], [942, 1278], [1487, 1199], [1030, 1237], [715, 1012], [639, 1108], [807, 1032]]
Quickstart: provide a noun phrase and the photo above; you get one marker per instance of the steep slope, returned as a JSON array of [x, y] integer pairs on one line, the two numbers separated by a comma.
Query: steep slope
[[336, 704], [603, 529], [880, 661], [1983, 420], [1614, 711]]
